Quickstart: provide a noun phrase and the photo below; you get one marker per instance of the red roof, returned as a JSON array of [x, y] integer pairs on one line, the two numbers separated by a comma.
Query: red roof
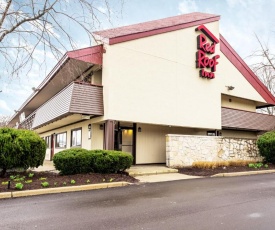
[[91, 54], [127, 33]]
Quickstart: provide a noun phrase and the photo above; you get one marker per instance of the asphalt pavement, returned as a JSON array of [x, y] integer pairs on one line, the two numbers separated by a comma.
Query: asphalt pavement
[[246, 202]]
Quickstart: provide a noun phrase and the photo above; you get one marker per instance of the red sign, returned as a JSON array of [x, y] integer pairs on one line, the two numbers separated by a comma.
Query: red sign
[[205, 49]]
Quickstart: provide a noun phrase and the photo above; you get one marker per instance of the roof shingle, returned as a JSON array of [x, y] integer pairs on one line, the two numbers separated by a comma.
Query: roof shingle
[[155, 27], [245, 120]]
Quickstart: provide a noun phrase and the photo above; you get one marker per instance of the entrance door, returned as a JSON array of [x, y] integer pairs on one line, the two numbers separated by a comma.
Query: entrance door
[[125, 138]]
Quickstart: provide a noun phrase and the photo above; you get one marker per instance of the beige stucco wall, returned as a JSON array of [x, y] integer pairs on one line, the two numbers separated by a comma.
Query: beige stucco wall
[[96, 141], [157, 75], [150, 145], [230, 76], [154, 80], [238, 103]]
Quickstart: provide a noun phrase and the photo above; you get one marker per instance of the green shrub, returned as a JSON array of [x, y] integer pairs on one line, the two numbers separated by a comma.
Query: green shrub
[[76, 160], [72, 161], [20, 149], [110, 161], [266, 146]]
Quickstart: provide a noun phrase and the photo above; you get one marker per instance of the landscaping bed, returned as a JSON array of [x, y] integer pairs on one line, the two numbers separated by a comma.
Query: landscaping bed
[[34, 180], [228, 169]]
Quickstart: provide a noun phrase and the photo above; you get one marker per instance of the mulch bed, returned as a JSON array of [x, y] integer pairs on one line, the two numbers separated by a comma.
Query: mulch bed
[[56, 180], [210, 172]]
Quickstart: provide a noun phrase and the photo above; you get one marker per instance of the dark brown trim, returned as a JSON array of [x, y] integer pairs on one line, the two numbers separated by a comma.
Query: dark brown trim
[[240, 129], [263, 106], [134, 146], [109, 135], [52, 147], [56, 140], [80, 128]]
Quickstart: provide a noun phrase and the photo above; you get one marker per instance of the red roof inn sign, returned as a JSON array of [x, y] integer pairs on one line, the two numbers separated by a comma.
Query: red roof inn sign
[[205, 49]]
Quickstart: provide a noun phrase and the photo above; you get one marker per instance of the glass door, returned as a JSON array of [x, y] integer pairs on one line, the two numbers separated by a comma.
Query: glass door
[[127, 140], [124, 138]]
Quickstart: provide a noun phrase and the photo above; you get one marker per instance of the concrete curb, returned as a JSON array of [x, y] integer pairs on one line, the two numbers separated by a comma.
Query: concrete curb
[[4, 195], [134, 174], [244, 173], [61, 189]]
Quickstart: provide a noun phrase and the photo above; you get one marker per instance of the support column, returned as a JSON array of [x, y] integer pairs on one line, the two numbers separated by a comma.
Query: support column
[[109, 135], [134, 142]]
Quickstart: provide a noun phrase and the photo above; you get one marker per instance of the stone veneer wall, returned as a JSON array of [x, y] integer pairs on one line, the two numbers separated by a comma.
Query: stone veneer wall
[[183, 150]]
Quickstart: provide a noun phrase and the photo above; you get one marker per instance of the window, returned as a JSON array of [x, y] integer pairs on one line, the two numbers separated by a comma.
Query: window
[[48, 141], [211, 133], [76, 137], [61, 140]]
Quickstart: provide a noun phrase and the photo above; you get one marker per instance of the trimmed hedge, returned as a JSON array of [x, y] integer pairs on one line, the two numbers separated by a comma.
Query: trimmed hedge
[[72, 161], [266, 146], [20, 149], [77, 160]]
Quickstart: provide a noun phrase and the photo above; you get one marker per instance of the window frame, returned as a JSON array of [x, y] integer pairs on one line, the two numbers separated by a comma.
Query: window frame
[[48, 141], [58, 147], [75, 130]]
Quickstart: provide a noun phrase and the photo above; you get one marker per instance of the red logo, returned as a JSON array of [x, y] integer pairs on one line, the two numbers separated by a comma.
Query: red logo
[[205, 49]]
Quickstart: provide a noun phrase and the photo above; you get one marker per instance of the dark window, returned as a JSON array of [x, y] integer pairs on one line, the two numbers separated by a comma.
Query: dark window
[[61, 140], [76, 137], [211, 133]]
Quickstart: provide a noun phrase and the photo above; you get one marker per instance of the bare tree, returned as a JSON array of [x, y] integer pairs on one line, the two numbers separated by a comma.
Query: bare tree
[[264, 68], [4, 120], [32, 30]]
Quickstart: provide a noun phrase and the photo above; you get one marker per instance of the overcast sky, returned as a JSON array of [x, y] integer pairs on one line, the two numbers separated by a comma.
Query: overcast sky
[[240, 21]]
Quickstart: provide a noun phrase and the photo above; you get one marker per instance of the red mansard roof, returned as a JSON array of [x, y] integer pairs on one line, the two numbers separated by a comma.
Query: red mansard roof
[[141, 30]]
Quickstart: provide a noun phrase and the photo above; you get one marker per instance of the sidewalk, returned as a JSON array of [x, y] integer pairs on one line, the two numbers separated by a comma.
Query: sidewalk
[[47, 166], [156, 173], [164, 177]]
